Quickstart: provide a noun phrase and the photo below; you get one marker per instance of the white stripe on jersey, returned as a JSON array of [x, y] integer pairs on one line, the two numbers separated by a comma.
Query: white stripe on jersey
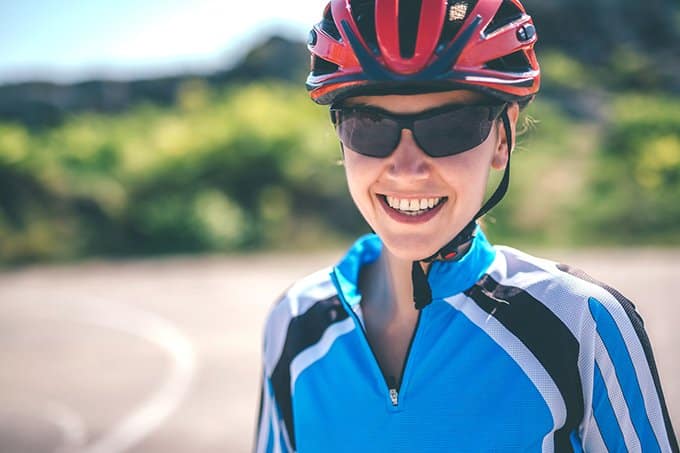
[[537, 277], [616, 397], [540, 284], [284, 435], [265, 420], [572, 312], [299, 298], [276, 431], [271, 427], [592, 441], [315, 352], [522, 356], [642, 370]]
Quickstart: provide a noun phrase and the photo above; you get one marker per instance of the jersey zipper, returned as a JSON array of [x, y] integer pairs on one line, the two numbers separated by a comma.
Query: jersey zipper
[[392, 387]]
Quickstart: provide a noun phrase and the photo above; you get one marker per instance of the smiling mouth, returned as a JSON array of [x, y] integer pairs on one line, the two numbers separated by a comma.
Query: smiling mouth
[[413, 206]]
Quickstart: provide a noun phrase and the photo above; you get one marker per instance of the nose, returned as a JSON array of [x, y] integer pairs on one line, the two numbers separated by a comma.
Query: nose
[[408, 161]]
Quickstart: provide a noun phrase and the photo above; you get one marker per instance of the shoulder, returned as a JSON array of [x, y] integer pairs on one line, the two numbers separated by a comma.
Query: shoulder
[[570, 294], [298, 313], [305, 293]]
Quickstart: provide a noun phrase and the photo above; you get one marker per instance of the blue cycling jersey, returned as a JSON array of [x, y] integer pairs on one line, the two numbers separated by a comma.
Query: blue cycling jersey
[[514, 353]]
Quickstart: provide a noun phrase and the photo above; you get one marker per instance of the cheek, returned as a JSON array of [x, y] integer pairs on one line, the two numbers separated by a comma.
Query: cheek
[[467, 166], [468, 172], [361, 172]]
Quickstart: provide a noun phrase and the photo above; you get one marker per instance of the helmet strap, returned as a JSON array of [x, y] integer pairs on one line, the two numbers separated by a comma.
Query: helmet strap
[[459, 245]]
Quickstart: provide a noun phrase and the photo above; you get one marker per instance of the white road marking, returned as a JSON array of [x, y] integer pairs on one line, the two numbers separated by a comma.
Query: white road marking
[[149, 415], [70, 424], [28, 410]]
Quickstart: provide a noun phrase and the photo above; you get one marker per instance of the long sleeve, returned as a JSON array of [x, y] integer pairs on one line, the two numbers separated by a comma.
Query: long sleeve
[[269, 435], [628, 411]]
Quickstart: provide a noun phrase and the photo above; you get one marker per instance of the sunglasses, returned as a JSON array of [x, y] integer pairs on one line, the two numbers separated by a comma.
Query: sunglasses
[[442, 131]]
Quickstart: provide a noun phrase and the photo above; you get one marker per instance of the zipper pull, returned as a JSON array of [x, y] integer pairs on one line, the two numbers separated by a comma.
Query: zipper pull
[[394, 396]]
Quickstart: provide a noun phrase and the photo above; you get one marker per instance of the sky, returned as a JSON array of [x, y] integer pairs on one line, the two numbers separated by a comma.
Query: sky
[[68, 41]]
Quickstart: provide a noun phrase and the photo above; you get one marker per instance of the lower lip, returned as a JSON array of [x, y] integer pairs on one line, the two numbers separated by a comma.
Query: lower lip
[[405, 218]]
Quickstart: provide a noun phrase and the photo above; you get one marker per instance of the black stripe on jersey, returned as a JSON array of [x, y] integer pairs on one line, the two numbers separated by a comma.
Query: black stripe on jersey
[[638, 325], [259, 411], [303, 331], [548, 339]]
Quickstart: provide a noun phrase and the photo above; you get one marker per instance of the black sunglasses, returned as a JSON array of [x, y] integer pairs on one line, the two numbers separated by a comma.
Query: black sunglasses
[[442, 131]]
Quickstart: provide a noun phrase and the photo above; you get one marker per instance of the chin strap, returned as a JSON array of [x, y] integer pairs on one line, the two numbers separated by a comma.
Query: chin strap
[[459, 245]]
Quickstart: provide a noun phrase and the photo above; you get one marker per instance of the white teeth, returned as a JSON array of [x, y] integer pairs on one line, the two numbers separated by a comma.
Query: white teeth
[[412, 206]]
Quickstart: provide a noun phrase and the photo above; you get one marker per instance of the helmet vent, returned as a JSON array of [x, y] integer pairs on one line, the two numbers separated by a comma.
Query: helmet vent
[[363, 13], [328, 25], [322, 67], [409, 16], [515, 62], [456, 13], [507, 13]]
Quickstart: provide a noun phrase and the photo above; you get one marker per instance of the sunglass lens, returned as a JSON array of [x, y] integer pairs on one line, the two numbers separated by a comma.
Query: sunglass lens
[[453, 132], [368, 134]]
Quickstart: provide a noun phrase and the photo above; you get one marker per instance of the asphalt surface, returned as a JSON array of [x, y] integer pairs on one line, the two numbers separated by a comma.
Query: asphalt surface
[[163, 355]]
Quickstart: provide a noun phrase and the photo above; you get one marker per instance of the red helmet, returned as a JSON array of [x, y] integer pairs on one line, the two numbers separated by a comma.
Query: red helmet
[[401, 47]]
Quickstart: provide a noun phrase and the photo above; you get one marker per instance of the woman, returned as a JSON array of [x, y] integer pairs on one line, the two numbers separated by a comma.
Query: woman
[[426, 338]]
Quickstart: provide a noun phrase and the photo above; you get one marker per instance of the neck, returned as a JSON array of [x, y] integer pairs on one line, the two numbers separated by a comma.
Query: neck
[[388, 281], [399, 275], [369, 274]]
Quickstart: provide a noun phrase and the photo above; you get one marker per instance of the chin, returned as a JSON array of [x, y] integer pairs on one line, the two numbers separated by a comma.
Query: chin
[[415, 246]]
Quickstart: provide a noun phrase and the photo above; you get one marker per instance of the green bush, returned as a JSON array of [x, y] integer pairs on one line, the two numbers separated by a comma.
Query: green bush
[[636, 181], [255, 167], [243, 168]]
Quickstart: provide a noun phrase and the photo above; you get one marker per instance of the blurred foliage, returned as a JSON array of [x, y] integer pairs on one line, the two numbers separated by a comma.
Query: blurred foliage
[[636, 182], [602, 164], [246, 167], [254, 165]]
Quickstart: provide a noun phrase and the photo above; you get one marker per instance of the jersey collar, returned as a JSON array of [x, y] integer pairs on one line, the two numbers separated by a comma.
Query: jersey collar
[[446, 278]]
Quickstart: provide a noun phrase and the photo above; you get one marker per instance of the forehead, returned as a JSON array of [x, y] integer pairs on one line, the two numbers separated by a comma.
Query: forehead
[[413, 103]]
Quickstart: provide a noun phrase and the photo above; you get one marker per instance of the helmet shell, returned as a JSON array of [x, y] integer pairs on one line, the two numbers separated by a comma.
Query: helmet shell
[[480, 45]]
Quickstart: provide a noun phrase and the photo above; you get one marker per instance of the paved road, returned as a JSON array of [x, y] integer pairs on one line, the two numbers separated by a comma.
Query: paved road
[[163, 356]]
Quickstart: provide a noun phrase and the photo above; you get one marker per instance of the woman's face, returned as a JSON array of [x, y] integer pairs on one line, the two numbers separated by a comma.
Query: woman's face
[[389, 191]]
